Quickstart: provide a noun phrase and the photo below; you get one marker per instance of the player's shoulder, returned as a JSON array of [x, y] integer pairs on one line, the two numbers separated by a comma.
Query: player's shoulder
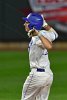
[[44, 32]]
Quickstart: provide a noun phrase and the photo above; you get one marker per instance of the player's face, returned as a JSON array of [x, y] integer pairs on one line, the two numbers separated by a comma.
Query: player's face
[[26, 26]]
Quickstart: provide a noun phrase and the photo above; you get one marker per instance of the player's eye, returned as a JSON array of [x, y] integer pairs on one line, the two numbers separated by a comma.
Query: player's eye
[[27, 22]]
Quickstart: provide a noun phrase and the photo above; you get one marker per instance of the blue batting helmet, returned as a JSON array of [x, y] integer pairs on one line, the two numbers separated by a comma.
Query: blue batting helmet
[[35, 20]]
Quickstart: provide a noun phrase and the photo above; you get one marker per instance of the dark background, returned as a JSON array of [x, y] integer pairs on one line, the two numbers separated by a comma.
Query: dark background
[[11, 24]]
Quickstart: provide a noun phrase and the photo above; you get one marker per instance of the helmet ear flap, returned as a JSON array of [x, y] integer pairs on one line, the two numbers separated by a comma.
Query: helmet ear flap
[[30, 26]]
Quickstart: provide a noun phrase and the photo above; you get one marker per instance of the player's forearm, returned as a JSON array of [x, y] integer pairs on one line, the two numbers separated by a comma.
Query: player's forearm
[[47, 44]]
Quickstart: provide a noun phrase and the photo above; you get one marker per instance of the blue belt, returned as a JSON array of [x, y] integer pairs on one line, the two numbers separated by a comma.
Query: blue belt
[[40, 70]]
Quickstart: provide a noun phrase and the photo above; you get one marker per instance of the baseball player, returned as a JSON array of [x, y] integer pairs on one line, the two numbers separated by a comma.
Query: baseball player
[[38, 83]]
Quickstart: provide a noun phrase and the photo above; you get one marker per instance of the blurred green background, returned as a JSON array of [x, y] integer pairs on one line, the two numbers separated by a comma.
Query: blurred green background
[[14, 68]]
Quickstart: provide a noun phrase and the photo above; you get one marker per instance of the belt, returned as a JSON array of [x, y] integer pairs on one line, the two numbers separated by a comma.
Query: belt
[[40, 70]]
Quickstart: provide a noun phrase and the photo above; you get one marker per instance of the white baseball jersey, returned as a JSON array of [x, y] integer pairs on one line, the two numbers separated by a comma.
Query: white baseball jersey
[[38, 56], [37, 85]]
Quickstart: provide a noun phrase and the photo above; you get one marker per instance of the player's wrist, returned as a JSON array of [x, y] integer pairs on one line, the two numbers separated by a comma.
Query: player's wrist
[[44, 23], [40, 34]]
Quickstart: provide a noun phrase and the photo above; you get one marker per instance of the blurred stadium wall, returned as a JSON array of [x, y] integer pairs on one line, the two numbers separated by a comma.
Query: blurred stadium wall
[[12, 33]]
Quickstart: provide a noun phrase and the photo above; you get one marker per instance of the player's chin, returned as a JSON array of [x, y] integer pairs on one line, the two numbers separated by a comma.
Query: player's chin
[[26, 30]]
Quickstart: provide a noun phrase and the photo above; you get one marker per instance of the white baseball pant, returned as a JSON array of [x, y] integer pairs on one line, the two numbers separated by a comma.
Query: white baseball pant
[[37, 86]]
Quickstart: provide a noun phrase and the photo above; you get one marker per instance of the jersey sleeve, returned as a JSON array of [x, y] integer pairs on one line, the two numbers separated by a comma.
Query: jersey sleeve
[[50, 35]]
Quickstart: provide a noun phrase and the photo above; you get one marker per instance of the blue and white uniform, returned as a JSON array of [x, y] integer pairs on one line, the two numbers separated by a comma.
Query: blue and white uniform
[[38, 83]]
